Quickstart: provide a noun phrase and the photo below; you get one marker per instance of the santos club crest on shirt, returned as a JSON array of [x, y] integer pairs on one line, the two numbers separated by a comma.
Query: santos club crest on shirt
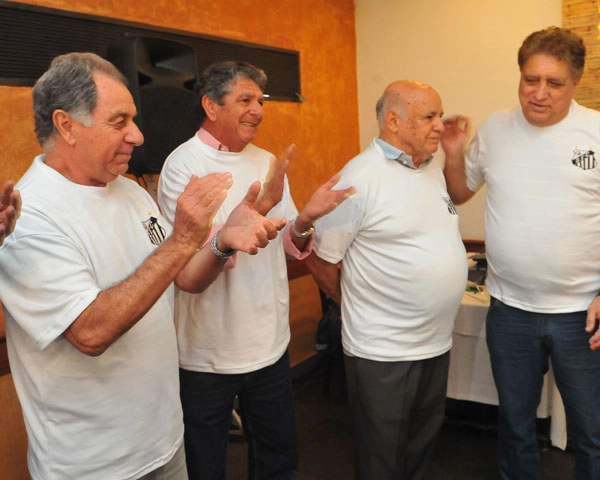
[[155, 232], [584, 159]]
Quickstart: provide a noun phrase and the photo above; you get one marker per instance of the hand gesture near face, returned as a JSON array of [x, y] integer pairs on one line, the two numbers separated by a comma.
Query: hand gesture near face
[[457, 130]]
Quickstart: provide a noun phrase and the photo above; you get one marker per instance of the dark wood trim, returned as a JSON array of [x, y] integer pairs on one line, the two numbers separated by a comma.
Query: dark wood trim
[[296, 268], [4, 366], [474, 245]]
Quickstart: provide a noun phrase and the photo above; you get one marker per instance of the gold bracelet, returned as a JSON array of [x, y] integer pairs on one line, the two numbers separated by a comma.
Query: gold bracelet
[[306, 233]]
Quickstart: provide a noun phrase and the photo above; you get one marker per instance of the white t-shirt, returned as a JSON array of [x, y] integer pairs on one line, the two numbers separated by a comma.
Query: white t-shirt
[[115, 416], [404, 265], [542, 216], [240, 323]]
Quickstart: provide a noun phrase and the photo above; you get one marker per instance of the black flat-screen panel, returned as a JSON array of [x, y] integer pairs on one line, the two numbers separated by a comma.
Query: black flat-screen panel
[[31, 36]]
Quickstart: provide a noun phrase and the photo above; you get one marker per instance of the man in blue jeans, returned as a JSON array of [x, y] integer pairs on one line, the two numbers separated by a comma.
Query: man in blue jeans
[[543, 250]]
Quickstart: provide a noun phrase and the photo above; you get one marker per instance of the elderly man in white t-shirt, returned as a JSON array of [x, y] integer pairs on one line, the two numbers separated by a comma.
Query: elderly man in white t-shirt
[[403, 274]]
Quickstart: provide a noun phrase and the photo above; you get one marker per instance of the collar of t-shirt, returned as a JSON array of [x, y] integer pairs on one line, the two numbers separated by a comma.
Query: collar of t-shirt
[[207, 138], [393, 153]]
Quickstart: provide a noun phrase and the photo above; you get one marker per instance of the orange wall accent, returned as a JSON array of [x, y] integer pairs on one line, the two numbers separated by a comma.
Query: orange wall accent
[[324, 127]]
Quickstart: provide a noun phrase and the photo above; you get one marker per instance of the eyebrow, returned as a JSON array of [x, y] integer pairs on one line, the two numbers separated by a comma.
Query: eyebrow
[[120, 114], [250, 94]]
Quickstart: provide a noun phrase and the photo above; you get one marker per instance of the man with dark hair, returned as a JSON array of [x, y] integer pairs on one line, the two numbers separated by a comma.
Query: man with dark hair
[[543, 250], [86, 284], [233, 337]]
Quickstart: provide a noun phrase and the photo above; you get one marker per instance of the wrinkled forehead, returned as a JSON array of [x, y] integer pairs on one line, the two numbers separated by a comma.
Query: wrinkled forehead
[[245, 84], [113, 95], [424, 100]]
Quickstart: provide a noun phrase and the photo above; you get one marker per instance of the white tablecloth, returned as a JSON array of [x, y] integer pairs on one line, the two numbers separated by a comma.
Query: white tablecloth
[[470, 375]]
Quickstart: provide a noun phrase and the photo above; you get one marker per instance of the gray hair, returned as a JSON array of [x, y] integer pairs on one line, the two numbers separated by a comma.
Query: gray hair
[[390, 100], [558, 42], [219, 78], [68, 85]]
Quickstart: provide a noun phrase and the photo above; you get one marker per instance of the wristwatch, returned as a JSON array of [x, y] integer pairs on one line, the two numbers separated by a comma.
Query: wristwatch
[[215, 249], [306, 233]]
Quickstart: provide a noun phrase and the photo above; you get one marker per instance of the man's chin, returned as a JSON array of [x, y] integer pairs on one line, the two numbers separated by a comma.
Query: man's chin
[[121, 170]]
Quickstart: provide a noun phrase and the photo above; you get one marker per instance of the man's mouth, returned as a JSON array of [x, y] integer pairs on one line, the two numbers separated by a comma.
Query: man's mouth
[[537, 106]]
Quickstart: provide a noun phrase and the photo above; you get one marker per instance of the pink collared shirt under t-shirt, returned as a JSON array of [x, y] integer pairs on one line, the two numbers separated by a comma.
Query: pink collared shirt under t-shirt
[[288, 245]]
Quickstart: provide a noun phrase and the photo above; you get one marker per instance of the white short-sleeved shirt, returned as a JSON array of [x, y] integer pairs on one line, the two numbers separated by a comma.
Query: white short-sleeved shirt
[[117, 415], [403, 262], [542, 215], [240, 323]]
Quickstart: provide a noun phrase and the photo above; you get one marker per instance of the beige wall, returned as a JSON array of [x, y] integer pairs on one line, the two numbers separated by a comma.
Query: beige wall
[[466, 49]]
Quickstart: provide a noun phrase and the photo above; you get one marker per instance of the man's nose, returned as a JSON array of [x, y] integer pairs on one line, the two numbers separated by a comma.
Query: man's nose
[[134, 135], [541, 90], [256, 108]]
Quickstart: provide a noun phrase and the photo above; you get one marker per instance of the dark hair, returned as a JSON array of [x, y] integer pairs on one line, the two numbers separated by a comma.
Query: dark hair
[[558, 42], [219, 78], [68, 85]]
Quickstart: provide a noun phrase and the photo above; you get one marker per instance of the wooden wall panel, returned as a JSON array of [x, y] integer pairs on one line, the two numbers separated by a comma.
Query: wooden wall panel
[[305, 312], [583, 18], [13, 437]]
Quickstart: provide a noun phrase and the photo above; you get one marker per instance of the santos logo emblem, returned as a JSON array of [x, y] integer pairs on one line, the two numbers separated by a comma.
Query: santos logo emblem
[[156, 233], [584, 159]]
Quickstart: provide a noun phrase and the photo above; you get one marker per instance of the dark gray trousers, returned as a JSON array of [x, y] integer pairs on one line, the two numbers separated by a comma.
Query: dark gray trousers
[[398, 410]]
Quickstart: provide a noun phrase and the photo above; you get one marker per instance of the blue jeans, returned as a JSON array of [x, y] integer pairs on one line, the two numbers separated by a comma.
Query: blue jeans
[[266, 405], [520, 345]]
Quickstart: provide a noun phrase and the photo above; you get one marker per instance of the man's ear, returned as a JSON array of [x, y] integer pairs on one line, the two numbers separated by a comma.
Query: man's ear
[[210, 107], [391, 120], [63, 122]]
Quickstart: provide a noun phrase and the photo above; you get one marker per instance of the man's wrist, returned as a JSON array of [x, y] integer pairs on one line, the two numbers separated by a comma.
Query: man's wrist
[[303, 233], [214, 247]]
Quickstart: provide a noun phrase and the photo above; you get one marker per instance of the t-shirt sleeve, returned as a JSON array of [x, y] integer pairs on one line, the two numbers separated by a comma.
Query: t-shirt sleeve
[[47, 284], [335, 232], [473, 158]]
